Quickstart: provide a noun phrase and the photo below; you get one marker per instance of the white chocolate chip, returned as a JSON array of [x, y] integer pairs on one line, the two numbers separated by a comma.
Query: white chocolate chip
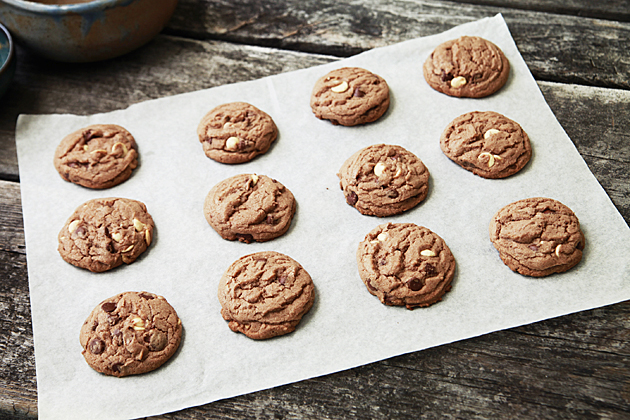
[[99, 151], [117, 236], [227, 125], [122, 146], [254, 179], [85, 147], [427, 253], [458, 81], [232, 144], [490, 158], [490, 133], [128, 249], [138, 324], [398, 173], [558, 250], [147, 237], [73, 225], [341, 87], [379, 169], [382, 237], [138, 224]]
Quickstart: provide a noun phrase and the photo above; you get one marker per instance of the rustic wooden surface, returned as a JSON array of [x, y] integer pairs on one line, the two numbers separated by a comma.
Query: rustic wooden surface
[[573, 367]]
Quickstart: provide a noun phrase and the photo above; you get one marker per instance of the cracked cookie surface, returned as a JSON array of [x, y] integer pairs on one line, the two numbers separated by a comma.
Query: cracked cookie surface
[[236, 132], [383, 180], [249, 207], [265, 294], [98, 156], [537, 236], [130, 333], [469, 66], [104, 233], [486, 143], [404, 264], [350, 96]]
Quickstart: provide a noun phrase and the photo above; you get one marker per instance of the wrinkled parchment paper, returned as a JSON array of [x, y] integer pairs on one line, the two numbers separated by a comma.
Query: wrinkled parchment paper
[[347, 326]]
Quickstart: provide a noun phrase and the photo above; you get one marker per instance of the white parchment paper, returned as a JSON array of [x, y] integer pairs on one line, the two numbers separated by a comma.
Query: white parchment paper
[[347, 326]]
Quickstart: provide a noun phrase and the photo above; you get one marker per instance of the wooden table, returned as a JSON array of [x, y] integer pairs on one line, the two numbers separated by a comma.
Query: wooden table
[[575, 366]]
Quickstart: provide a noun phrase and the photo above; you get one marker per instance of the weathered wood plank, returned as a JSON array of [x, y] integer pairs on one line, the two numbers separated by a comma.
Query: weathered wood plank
[[556, 47]]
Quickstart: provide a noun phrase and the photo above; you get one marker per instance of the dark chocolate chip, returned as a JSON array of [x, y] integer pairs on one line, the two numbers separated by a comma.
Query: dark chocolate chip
[[358, 93], [352, 198], [446, 77], [117, 367], [548, 211], [429, 269], [283, 279], [80, 233], [392, 193], [415, 284], [97, 346], [269, 219], [245, 237], [108, 306], [88, 135], [146, 296], [113, 320]]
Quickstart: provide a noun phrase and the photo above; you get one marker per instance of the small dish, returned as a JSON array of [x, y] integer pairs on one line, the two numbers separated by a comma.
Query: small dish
[[7, 59], [85, 30]]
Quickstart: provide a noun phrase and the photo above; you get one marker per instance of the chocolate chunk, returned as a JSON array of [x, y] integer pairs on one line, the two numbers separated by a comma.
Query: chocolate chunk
[[146, 296], [429, 270], [269, 219], [117, 367], [97, 346], [392, 193], [245, 237], [358, 93], [108, 306], [352, 198], [415, 284]]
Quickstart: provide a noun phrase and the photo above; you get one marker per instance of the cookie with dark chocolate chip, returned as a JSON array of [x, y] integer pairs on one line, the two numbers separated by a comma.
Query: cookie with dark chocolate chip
[[469, 66], [104, 233], [537, 236], [383, 180], [404, 264], [130, 333], [236, 132], [265, 294], [486, 143], [98, 156], [249, 207], [350, 96]]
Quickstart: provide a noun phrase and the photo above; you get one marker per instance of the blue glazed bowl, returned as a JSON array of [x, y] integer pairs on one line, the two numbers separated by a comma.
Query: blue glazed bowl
[[85, 31], [7, 60]]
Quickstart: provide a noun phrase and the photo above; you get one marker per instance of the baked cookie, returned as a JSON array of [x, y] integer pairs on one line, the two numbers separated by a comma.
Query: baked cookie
[[98, 156], [486, 143], [105, 232], [405, 264], [249, 207], [469, 66], [537, 236], [383, 180], [350, 96], [265, 294], [130, 333], [236, 132]]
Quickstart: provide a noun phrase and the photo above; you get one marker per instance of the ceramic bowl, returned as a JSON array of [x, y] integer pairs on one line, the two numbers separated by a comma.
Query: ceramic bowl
[[87, 30], [7, 59]]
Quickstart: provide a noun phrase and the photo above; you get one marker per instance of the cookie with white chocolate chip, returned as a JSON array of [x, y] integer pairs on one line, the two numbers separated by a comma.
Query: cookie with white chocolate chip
[[265, 294], [404, 264], [97, 156], [249, 207], [537, 236], [236, 132], [350, 96], [486, 143], [469, 66], [383, 180], [130, 333], [104, 233]]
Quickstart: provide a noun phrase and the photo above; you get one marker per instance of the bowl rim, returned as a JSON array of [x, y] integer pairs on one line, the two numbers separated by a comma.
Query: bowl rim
[[9, 59], [58, 9]]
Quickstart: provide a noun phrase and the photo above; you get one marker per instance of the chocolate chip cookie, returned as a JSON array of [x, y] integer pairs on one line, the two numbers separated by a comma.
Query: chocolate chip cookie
[[405, 264], [383, 180], [469, 66], [130, 333], [537, 236], [98, 156], [105, 232], [249, 207], [350, 96], [486, 143], [265, 294], [236, 132]]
